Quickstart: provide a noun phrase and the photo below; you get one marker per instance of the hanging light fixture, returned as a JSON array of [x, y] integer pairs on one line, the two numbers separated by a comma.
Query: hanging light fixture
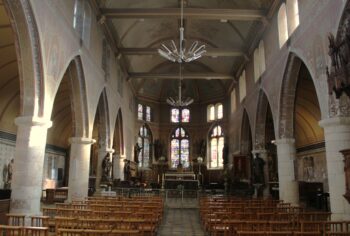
[[178, 102], [181, 54]]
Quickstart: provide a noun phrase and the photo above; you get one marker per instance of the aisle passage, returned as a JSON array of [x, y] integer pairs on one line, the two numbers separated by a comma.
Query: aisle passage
[[182, 222]]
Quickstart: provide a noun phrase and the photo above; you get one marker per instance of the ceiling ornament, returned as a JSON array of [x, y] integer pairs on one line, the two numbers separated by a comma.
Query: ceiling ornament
[[180, 54]]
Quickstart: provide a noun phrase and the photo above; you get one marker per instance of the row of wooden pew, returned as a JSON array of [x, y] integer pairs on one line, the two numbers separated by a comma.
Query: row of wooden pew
[[233, 216], [94, 216]]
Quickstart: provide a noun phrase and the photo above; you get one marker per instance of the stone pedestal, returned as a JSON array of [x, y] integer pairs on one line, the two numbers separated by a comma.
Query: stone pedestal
[[288, 186], [337, 137], [263, 154], [78, 183], [28, 165]]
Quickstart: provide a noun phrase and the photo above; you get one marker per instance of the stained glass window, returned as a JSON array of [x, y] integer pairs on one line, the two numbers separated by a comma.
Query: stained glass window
[[179, 148], [143, 141], [175, 115], [148, 113], [185, 115], [140, 112], [216, 147]]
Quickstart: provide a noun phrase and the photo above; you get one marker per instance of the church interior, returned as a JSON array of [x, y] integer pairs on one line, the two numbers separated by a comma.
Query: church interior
[[174, 117]]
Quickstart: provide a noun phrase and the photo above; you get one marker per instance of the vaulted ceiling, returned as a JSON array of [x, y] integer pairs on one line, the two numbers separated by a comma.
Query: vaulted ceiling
[[230, 29]]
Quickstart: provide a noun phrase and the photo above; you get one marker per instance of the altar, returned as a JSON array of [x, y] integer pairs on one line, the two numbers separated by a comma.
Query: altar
[[184, 180]]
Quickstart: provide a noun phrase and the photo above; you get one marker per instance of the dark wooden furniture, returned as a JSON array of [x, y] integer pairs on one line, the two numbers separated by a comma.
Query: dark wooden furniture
[[56, 195], [4, 209], [346, 154]]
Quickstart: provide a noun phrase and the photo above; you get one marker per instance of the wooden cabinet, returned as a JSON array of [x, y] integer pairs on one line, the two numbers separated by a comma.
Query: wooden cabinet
[[346, 154]]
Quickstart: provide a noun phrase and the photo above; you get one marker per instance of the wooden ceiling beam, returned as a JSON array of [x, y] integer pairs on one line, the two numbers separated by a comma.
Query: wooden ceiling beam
[[189, 13], [206, 76], [211, 52]]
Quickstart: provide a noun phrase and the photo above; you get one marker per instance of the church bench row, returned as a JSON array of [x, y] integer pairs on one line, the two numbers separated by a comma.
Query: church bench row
[[23, 231]]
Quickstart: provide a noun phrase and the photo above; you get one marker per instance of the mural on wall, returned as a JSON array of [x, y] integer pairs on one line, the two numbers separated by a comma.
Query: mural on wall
[[311, 168]]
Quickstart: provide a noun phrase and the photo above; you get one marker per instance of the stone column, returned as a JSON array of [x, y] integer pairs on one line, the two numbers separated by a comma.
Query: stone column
[[28, 164], [78, 183], [263, 154], [337, 137], [288, 186], [102, 152]]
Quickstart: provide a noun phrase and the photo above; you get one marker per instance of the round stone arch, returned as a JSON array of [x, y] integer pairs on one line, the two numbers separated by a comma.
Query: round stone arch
[[29, 56]]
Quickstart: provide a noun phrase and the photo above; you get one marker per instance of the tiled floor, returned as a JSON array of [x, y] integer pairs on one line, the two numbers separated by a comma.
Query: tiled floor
[[181, 222]]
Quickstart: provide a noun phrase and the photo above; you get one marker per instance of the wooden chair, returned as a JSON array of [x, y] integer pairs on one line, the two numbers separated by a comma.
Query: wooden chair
[[36, 231], [94, 232], [9, 230], [70, 232], [39, 221], [15, 219], [126, 232]]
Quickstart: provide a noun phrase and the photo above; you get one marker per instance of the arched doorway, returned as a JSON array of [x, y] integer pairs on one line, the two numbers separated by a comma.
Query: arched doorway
[[69, 119], [264, 144], [246, 149], [301, 142], [118, 146], [101, 148]]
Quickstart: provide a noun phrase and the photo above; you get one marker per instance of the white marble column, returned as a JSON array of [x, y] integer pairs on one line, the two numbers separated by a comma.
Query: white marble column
[[78, 183], [28, 164], [288, 186], [263, 155], [337, 137]]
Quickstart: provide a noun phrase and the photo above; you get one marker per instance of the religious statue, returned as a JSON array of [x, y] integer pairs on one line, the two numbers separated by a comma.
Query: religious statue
[[106, 168], [258, 170], [137, 150], [202, 148], [7, 174]]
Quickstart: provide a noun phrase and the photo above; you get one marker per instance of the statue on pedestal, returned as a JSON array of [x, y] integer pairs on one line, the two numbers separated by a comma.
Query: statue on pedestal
[[106, 168]]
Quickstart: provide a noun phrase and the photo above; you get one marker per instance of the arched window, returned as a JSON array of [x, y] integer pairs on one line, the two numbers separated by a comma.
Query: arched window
[[144, 140], [242, 87], [82, 20], [216, 140], [179, 148], [215, 112], [179, 115], [262, 61], [256, 64], [140, 112], [282, 25], [233, 101], [292, 15], [219, 110]]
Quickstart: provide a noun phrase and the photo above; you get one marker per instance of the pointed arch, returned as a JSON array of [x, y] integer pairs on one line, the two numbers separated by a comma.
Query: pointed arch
[[179, 147], [260, 121], [102, 112], [246, 134], [29, 57], [144, 141], [282, 25], [118, 137]]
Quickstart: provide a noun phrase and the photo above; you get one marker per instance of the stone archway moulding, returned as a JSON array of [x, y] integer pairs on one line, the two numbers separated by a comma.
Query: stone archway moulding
[[29, 57]]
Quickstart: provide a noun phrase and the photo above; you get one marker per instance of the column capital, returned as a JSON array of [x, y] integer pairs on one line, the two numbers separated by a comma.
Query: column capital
[[81, 140], [335, 121], [285, 141], [33, 121], [110, 150]]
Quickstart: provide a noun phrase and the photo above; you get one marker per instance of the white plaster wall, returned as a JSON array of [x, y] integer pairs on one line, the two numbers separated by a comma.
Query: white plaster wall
[[59, 47]]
